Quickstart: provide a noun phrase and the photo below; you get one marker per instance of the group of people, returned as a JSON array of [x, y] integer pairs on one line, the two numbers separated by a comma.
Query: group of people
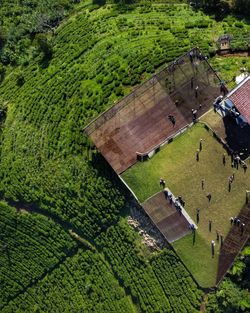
[[237, 222], [195, 54], [236, 162], [178, 202]]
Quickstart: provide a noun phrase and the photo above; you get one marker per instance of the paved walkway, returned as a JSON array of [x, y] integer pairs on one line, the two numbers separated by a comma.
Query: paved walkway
[[171, 222]]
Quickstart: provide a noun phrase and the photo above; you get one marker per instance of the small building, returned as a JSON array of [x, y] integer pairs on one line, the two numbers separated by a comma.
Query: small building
[[224, 42]]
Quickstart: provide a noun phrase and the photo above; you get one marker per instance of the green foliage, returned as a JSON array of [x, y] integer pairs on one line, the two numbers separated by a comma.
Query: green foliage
[[83, 283], [30, 246], [222, 7], [242, 6], [240, 272], [21, 20], [163, 285], [2, 72], [45, 158], [228, 299], [45, 46]]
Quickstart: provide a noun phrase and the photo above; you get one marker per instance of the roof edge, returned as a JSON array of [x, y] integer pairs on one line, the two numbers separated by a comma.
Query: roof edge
[[238, 86]]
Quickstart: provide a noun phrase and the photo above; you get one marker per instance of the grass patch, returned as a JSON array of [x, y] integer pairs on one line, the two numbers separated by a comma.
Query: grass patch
[[230, 67], [193, 253], [177, 164]]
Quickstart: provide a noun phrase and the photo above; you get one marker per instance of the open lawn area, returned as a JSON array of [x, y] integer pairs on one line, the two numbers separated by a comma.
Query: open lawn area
[[177, 164]]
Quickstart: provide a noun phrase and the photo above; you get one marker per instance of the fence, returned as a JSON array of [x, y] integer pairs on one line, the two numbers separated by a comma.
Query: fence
[[159, 77]]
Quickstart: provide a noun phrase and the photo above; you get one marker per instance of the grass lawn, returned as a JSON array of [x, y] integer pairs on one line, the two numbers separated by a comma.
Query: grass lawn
[[177, 164], [193, 253]]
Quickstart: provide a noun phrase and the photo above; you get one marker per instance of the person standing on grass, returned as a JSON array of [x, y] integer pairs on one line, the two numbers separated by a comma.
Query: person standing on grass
[[197, 215], [210, 225], [212, 247], [244, 167], [229, 183], [197, 155], [203, 183], [209, 196], [224, 159], [201, 141], [162, 182], [217, 235]]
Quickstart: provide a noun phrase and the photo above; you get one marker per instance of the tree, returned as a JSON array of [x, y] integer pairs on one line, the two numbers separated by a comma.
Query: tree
[[242, 6], [45, 46]]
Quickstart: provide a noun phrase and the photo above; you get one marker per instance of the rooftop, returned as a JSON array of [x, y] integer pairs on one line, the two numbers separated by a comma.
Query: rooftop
[[240, 96]]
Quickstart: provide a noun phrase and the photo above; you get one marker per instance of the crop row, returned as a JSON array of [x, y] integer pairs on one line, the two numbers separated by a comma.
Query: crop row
[[30, 246], [156, 285], [83, 283]]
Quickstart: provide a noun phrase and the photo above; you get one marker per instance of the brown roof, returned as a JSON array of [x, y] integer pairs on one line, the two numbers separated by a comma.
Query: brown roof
[[240, 96]]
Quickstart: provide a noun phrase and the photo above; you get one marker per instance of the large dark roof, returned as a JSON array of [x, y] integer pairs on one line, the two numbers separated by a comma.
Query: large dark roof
[[225, 37], [240, 96]]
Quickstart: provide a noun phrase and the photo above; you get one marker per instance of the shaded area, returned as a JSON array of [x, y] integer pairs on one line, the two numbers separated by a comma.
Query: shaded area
[[240, 98], [140, 122], [170, 222], [233, 243], [237, 138]]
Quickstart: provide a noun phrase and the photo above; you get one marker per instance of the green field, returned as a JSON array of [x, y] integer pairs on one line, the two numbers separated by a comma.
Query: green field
[[177, 164]]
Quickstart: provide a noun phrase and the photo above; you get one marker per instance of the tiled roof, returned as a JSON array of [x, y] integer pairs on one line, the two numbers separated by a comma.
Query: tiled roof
[[241, 98]]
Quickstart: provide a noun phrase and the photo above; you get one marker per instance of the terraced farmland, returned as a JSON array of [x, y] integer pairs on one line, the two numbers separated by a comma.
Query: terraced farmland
[[98, 55], [31, 246]]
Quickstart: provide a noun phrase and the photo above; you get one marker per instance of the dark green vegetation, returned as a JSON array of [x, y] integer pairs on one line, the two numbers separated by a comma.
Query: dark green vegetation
[[159, 284], [230, 297], [83, 283], [21, 26], [223, 7], [54, 83], [30, 246]]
